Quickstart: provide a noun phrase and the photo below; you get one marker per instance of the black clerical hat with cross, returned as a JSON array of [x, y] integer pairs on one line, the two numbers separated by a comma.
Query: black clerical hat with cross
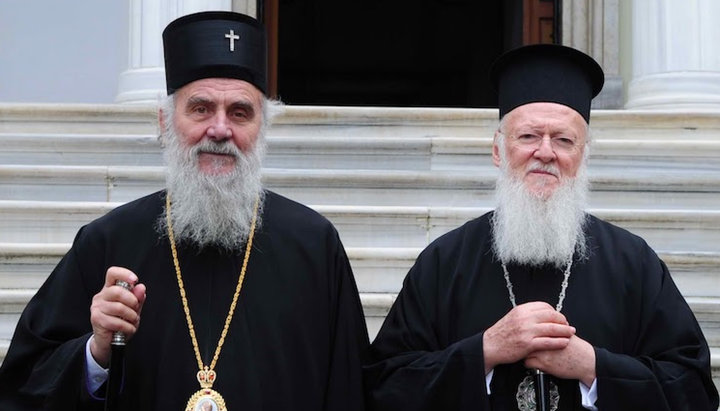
[[215, 44], [546, 73]]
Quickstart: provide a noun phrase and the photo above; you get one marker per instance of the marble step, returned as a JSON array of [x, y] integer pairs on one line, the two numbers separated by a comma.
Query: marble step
[[377, 269], [102, 183], [343, 152], [4, 344], [374, 326], [375, 307], [351, 137], [309, 121], [627, 187], [375, 226]]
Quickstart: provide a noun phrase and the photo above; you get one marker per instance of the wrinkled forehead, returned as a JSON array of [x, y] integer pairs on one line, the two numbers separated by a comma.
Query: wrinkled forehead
[[543, 116], [220, 90]]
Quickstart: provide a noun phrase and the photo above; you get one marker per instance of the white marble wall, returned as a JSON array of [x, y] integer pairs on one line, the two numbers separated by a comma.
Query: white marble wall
[[676, 58], [61, 51]]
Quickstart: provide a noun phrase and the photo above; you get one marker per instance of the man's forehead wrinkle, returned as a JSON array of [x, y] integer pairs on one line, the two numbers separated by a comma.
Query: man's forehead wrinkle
[[239, 104], [542, 122], [238, 97]]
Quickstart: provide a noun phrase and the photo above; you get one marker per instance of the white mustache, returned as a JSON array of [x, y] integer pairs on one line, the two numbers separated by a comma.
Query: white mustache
[[210, 146], [547, 168]]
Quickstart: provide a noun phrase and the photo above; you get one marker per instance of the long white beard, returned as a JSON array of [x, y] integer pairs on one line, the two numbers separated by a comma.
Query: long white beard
[[534, 230], [208, 209]]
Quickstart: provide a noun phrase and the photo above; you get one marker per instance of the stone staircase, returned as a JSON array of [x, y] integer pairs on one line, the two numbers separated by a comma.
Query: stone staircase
[[390, 179]]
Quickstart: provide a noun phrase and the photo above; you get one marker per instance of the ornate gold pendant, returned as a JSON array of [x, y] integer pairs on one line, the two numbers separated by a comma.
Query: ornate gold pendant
[[206, 399]]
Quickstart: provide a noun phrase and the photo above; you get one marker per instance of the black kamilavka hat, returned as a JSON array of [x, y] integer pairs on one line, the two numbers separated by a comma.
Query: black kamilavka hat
[[546, 73], [215, 44]]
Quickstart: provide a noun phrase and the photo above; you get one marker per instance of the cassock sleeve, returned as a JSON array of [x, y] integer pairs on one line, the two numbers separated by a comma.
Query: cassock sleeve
[[668, 367], [411, 368], [349, 340], [44, 367]]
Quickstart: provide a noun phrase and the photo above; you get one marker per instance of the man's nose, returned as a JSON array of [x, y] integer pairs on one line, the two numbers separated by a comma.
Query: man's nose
[[545, 151], [219, 129]]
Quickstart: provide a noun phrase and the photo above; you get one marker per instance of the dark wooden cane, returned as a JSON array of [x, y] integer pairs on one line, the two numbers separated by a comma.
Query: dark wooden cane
[[542, 392], [117, 360]]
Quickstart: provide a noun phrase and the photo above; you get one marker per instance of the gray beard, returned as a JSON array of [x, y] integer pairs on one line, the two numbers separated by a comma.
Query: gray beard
[[212, 210], [533, 230]]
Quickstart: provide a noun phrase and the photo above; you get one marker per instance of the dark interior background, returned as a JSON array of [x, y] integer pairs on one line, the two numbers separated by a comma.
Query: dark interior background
[[432, 53]]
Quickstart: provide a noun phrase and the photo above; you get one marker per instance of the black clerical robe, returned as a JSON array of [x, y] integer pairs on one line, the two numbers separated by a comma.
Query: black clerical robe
[[295, 342], [650, 351]]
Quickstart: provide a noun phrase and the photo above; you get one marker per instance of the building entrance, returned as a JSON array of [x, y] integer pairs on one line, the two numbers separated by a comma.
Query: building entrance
[[430, 53]]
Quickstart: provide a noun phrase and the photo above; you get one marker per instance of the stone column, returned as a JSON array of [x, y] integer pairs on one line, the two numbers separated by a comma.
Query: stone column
[[144, 80], [592, 27], [248, 7], [675, 56]]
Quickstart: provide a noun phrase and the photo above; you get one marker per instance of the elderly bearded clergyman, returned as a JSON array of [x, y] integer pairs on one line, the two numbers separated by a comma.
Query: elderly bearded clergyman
[[538, 284], [234, 285]]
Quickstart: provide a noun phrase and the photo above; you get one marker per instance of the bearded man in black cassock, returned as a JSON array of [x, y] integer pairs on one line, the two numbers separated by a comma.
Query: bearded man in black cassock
[[538, 284], [265, 282]]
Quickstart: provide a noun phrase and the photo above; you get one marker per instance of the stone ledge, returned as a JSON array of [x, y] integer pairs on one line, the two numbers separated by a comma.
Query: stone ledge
[[480, 179], [376, 307], [377, 269], [354, 115], [714, 359], [652, 189], [413, 148], [25, 250], [13, 301], [697, 217], [363, 226]]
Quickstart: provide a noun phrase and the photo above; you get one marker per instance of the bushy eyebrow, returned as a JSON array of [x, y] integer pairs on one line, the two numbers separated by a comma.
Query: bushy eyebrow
[[199, 101], [237, 105], [537, 126], [243, 105]]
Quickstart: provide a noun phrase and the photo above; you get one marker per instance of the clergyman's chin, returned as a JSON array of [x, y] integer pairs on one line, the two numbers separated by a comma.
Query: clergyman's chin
[[534, 229]]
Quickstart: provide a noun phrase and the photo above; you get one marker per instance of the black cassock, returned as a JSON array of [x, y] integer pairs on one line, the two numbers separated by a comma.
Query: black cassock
[[650, 351], [295, 342]]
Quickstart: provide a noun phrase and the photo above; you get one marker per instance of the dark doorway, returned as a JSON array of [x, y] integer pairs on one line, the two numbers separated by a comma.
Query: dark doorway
[[430, 53]]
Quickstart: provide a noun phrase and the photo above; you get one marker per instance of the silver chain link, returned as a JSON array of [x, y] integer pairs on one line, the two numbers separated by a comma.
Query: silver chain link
[[561, 297]]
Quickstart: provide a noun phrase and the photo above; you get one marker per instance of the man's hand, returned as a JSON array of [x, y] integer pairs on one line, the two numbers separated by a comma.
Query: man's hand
[[576, 361], [527, 328], [115, 309]]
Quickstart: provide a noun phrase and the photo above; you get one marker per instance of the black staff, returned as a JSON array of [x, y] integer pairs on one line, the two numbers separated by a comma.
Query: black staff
[[542, 392], [117, 359]]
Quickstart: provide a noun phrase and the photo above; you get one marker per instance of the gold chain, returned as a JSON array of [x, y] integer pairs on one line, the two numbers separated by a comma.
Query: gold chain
[[183, 296]]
